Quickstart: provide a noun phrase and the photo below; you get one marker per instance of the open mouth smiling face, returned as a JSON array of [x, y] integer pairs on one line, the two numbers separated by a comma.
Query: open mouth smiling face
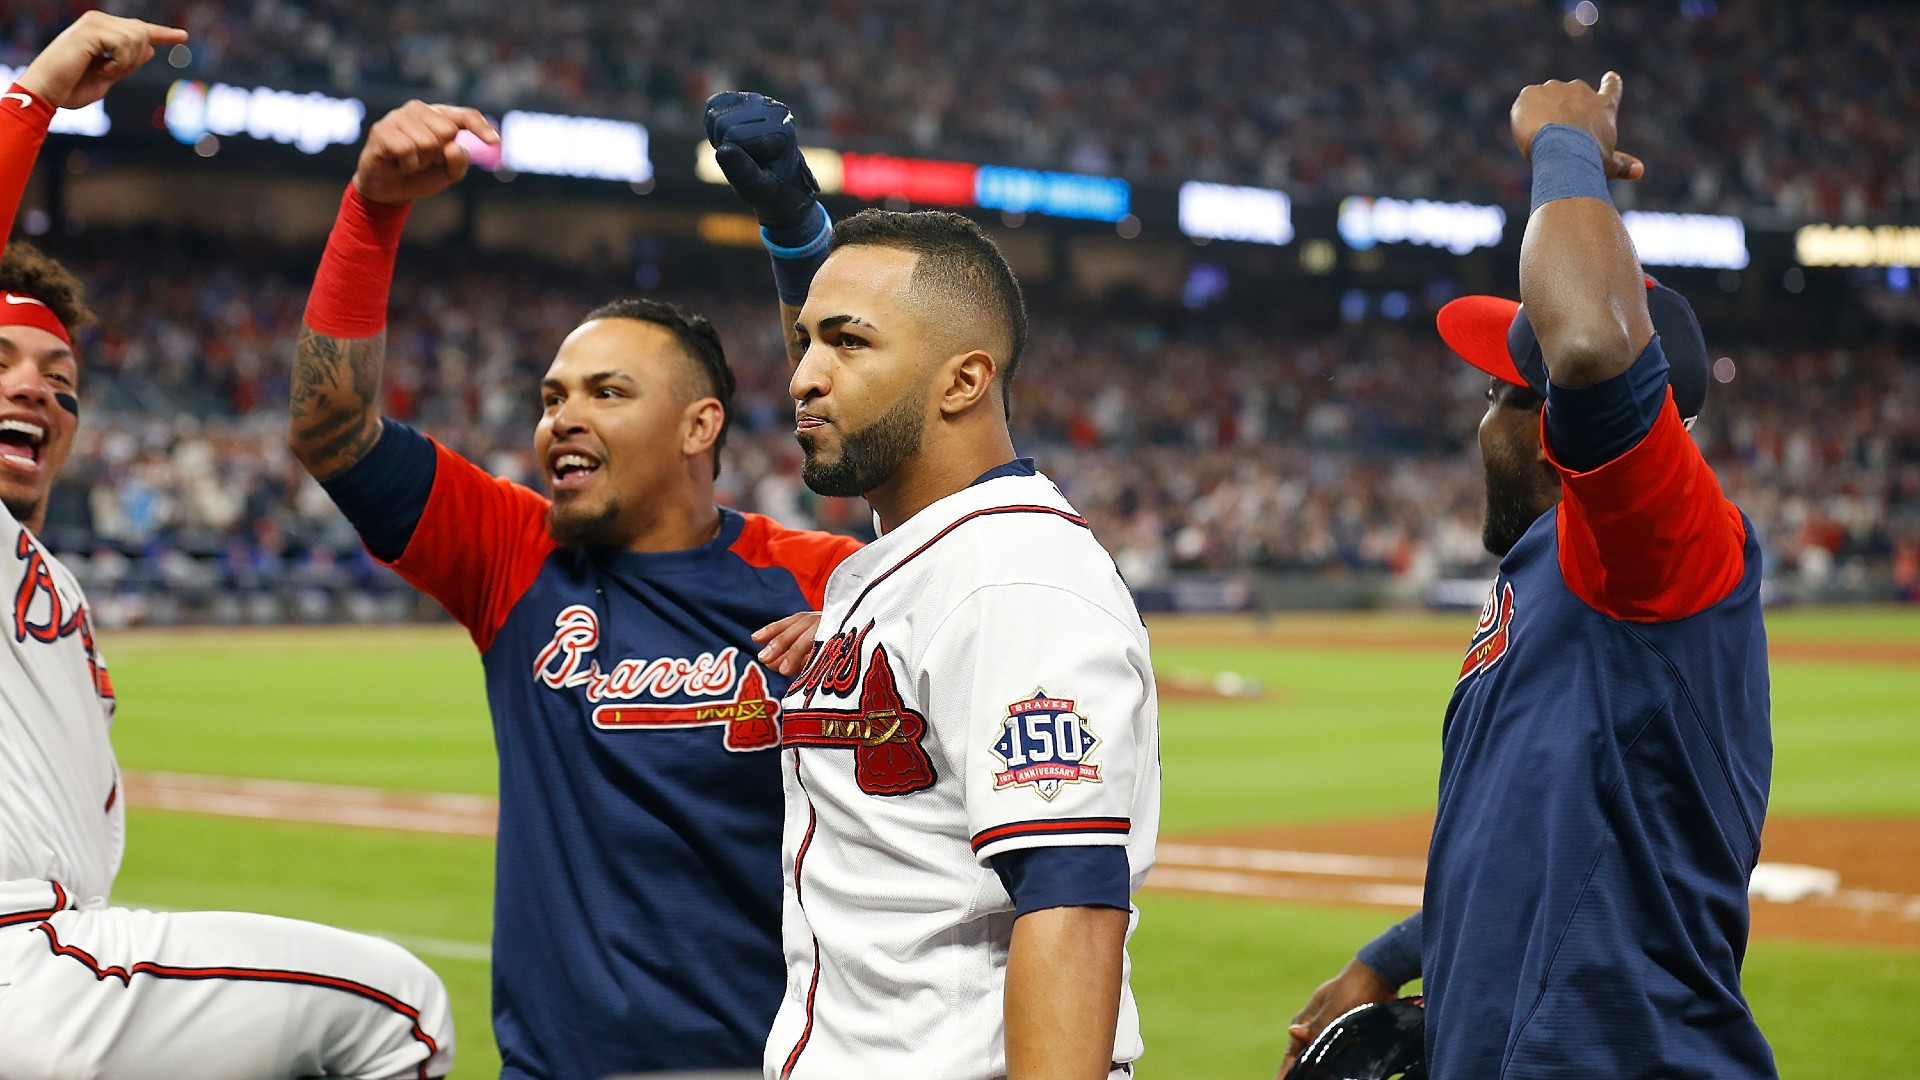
[[22, 444]]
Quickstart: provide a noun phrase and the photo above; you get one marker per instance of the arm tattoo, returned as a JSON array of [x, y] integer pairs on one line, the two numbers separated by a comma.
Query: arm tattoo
[[336, 400]]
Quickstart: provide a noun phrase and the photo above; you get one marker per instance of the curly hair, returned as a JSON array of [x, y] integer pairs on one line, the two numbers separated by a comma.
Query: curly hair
[[27, 270]]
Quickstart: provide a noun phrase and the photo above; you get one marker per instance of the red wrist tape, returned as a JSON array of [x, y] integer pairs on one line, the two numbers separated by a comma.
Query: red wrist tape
[[349, 297]]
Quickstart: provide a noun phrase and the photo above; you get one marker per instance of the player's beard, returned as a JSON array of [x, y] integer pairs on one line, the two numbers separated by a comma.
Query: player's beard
[[577, 527], [869, 457], [1518, 492]]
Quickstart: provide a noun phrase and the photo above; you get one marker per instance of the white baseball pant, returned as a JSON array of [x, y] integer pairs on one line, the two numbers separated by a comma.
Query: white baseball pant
[[118, 994]]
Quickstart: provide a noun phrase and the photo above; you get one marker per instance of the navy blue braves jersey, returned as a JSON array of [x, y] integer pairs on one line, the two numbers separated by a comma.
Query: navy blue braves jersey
[[1604, 778], [637, 888]]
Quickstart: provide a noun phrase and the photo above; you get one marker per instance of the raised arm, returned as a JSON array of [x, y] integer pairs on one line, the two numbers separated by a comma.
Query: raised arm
[[1579, 277], [74, 70], [412, 153], [756, 144], [1645, 532]]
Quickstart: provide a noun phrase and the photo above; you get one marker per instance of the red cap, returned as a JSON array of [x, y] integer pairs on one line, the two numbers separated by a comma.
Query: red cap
[[1476, 328], [1494, 334]]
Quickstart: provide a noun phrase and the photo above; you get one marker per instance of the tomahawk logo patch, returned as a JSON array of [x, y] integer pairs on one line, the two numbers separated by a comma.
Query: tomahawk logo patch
[[883, 733], [1493, 635], [1045, 743]]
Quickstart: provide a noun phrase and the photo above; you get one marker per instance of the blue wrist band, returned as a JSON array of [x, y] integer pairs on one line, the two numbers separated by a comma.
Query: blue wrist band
[[821, 238], [794, 267], [1567, 165]]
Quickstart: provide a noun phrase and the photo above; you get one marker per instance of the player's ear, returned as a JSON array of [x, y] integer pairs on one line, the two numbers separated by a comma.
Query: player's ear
[[969, 381], [700, 425]]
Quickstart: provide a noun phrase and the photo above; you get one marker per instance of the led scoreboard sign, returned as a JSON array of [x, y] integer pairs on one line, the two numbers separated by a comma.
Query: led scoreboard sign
[[877, 177], [309, 122], [1713, 241], [1225, 212], [1458, 227]]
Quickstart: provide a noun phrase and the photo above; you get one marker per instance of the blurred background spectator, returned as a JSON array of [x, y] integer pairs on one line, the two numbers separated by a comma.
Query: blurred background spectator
[[1762, 105], [1194, 444]]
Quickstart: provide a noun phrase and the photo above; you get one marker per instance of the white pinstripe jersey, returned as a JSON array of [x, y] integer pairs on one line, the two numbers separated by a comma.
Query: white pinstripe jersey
[[982, 684], [61, 817]]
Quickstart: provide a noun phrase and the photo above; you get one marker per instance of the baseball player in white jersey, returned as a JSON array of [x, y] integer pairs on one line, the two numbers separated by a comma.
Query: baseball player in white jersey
[[88, 990], [972, 773]]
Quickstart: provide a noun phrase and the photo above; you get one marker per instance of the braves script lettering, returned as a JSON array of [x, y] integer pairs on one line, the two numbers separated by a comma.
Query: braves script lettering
[[38, 593], [564, 664], [744, 708], [834, 665]]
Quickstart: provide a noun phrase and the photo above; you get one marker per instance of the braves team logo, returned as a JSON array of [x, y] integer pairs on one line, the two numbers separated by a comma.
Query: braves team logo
[[38, 594], [1045, 743], [1493, 635], [833, 666], [738, 702], [884, 735]]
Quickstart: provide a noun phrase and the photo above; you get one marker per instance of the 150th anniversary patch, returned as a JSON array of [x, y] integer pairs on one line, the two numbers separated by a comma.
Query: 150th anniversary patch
[[1045, 743]]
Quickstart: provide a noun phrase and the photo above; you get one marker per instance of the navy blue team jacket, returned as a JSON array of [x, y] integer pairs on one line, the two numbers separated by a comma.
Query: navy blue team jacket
[[637, 874], [1605, 769]]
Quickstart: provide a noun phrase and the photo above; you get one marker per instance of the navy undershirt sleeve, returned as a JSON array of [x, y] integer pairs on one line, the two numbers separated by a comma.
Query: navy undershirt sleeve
[[1050, 877], [1395, 955], [1592, 425], [385, 493]]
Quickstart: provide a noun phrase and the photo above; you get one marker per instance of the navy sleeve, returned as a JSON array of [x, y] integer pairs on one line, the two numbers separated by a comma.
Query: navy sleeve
[[385, 493], [1050, 877], [1592, 425], [1396, 953]]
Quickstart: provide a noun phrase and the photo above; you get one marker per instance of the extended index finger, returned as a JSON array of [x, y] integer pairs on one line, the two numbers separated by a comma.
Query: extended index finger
[[469, 120], [163, 35]]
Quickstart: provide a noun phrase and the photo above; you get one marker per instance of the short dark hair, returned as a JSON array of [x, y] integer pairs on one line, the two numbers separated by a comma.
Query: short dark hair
[[698, 339], [27, 270], [957, 256]]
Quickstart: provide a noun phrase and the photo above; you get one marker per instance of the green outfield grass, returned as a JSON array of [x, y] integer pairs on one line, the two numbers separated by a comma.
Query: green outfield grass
[[1343, 732]]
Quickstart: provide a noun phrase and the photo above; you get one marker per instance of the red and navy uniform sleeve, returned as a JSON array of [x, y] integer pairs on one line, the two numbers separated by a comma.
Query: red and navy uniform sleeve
[[22, 129], [1646, 535], [478, 546], [809, 556], [384, 493]]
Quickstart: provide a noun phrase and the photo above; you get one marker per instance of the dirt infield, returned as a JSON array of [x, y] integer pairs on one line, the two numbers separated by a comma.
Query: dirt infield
[[1376, 862], [1381, 862]]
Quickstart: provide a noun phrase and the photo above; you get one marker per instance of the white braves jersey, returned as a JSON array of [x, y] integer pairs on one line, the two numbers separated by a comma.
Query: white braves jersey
[[982, 685], [61, 817]]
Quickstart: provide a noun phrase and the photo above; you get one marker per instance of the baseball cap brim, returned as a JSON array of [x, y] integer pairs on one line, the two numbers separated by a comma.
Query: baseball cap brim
[[1476, 328]]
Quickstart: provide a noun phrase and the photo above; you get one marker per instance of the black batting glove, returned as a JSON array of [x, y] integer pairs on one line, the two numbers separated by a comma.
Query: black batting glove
[[757, 147]]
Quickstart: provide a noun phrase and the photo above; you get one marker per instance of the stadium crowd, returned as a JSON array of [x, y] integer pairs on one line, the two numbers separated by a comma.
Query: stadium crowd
[[1193, 444], [1772, 105]]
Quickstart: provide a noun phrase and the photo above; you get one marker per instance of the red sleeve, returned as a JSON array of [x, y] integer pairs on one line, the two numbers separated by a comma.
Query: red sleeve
[[480, 543], [809, 556], [24, 116], [1649, 537]]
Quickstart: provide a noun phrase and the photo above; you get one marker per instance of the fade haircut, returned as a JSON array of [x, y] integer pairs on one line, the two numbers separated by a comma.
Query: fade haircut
[[961, 262], [698, 340], [27, 270]]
